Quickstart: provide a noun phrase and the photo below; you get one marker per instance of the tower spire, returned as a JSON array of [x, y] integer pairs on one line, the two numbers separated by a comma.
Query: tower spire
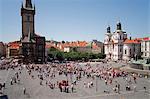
[[28, 4], [22, 5], [119, 26], [108, 29]]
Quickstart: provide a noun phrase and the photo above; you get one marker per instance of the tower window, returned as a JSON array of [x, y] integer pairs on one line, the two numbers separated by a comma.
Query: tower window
[[125, 51], [28, 18], [145, 46], [130, 51], [120, 37]]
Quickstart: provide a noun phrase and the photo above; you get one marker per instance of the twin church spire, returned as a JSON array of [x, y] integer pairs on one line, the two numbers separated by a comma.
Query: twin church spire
[[118, 27]]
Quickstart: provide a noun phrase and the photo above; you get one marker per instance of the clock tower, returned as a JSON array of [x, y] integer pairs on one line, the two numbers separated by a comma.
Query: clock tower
[[32, 45], [27, 14]]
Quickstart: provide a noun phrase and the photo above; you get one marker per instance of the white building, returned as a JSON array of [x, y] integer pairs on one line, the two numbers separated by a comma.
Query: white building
[[113, 43], [131, 49], [145, 47], [118, 47]]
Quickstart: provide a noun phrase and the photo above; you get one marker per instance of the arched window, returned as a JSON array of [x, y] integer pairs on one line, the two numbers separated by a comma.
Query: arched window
[[125, 51], [130, 51]]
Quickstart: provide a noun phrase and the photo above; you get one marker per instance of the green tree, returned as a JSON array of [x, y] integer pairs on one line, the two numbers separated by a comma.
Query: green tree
[[54, 53], [59, 56]]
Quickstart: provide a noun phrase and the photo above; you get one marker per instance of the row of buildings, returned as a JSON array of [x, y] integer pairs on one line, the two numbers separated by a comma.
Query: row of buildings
[[118, 46], [32, 48], [80, 46], [12, 49]]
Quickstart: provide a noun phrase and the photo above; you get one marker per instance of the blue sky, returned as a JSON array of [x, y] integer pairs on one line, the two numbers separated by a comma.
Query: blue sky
[[72, 20]]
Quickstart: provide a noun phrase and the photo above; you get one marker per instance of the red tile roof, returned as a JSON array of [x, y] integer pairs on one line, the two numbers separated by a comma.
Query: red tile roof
[[14, 45], [146, 39], [133, 41], [67, 44], [136, 40]]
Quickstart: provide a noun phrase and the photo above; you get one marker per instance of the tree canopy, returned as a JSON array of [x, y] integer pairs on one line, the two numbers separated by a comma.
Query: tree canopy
[[55, 54]]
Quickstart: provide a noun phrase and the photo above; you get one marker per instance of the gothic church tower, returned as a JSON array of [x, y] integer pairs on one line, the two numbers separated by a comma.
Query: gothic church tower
[[27, 13]]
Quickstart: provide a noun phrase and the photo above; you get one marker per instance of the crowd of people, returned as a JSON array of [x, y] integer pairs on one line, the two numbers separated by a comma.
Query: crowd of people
[[47, 75]]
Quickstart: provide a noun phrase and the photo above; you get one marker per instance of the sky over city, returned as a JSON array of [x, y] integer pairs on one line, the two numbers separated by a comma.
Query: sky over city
[[73, 20]]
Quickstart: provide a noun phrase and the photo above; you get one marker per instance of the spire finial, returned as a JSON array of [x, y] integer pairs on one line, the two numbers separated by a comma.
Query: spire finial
[[119, 25], [108, 29], [28, 4], [22, 5]]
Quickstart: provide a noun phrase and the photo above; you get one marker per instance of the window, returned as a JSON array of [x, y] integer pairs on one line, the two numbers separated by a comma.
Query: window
[[125, 52], [145, 54], [28, 18], [134, 48], [145, 46], [120, 37], [130, 51], [142, 46], [40, 47]]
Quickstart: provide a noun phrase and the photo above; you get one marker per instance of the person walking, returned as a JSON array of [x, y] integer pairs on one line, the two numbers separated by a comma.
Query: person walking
[[134, 88], [11, 81], [24, 90], [144, 88], [118, 88], [60, 86], [72, 88]]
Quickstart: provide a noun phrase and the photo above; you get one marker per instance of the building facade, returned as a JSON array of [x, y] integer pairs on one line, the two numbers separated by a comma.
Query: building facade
[[13, 49], [79, 46], [97, 47], [145, 47], [118, 47], [33, 45], [132, 49], [2, 49], [113, 43]]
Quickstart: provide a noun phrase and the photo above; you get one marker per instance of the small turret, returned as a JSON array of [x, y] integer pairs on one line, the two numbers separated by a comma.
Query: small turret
[[108, 29], [118, 26], [22, 5], [28, 4]]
